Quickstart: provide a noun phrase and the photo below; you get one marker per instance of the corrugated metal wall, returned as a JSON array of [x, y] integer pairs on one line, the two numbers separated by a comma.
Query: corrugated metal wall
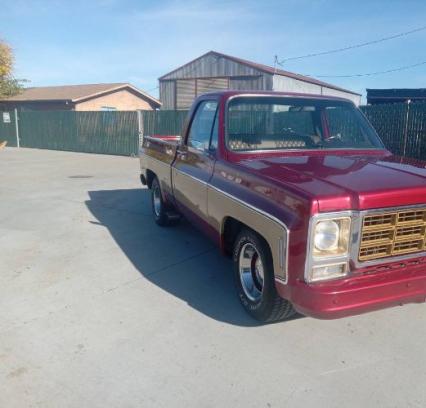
[[188, 89], [212, 66], [211, 84], [356, 99], [180, 93], [286, 84], [167, 94], [255, 83], [241, 77], [185, 93], [207, 74]]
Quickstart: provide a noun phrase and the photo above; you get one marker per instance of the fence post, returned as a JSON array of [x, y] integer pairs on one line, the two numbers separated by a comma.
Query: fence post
[[406, 128], [140, 129], [16, 128]]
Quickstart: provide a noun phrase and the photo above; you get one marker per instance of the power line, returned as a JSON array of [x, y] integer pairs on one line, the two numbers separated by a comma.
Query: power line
[[350, 47], [370, 73], [153, 89]]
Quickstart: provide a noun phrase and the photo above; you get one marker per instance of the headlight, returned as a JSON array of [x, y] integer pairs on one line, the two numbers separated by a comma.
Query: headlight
[[326, 236], [328, 256], [331, 237]]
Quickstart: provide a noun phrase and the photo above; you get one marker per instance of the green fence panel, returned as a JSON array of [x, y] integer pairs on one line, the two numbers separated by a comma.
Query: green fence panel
[[110, 132], [163, 122], [401, 126], [389, 122], [416, 131], [107, 132], [8, 128]]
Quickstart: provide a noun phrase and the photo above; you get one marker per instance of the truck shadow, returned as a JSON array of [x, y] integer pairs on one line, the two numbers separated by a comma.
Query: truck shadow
[[179, 259]]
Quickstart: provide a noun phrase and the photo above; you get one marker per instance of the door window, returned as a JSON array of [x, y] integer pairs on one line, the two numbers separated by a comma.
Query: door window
[[203, 126]]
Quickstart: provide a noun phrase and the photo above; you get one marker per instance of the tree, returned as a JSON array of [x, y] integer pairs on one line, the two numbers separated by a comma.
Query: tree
[[9, 85]]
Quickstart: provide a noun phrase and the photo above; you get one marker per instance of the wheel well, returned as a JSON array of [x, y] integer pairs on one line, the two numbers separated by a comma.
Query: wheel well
[[149, 177], [231, 229]]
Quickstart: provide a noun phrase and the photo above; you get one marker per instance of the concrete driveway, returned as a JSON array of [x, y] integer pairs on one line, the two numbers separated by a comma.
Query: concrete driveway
[[102, 308]]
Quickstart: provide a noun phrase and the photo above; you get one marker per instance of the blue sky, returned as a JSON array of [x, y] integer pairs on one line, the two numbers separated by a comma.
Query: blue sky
[[70, 42]]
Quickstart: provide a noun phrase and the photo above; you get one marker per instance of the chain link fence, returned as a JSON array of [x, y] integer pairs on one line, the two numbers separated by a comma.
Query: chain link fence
[[402, 128], [92, 132]]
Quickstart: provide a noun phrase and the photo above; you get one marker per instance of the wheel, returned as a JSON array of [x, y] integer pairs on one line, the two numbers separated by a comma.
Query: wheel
[[254, 279], [158, 206]]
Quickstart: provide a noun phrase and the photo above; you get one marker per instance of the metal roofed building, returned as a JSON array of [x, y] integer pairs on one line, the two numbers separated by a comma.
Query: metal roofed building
[[216, 71]]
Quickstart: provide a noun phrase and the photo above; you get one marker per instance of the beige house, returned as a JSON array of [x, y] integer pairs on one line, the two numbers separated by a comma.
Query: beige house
[[88, 97]]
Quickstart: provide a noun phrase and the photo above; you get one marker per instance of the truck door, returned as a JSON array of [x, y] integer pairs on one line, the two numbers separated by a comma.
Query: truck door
[[195, 160]]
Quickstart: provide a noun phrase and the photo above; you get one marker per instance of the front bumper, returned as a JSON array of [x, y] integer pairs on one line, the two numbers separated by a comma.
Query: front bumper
[[359, 294]]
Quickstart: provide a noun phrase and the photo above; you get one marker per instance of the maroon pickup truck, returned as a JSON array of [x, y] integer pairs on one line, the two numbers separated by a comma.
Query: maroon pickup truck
[[318, 216]]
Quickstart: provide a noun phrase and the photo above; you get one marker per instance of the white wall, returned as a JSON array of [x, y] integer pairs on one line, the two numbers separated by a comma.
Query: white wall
[[286, 84], [356, 99]]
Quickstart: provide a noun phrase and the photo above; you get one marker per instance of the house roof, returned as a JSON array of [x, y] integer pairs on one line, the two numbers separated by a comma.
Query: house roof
[[267, 69], [75, 93]]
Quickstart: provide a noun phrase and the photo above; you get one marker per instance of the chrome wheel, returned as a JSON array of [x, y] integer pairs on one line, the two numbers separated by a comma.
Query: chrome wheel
[[251, 272], [156, 199]]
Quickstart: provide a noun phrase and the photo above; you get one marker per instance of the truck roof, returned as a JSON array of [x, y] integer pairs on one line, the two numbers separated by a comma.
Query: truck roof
[[228, 93]]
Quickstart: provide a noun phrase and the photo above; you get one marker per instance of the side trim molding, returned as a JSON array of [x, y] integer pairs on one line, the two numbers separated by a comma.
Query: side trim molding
[[283, 252], [282, 243], [204, 183], [157, 161]]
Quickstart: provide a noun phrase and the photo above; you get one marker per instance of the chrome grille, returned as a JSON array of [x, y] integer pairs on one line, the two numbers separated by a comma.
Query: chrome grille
[[392, 234]]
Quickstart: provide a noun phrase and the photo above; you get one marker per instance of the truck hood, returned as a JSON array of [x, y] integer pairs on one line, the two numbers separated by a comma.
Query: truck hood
[[337, 182]]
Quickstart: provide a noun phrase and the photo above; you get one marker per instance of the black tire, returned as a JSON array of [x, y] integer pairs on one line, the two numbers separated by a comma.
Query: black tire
[[267, 306], [159, 210]]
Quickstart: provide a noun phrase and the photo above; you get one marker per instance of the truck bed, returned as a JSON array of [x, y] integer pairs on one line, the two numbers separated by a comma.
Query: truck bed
[[160, 147], [157, 154]]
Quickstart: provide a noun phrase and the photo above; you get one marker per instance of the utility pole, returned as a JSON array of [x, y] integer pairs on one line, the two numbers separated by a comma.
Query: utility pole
[[407, 116], [275, 63], [140, 129], [16, 127]]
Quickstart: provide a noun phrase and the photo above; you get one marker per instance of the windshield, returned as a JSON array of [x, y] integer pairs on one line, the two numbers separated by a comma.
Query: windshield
[[271, 123]]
